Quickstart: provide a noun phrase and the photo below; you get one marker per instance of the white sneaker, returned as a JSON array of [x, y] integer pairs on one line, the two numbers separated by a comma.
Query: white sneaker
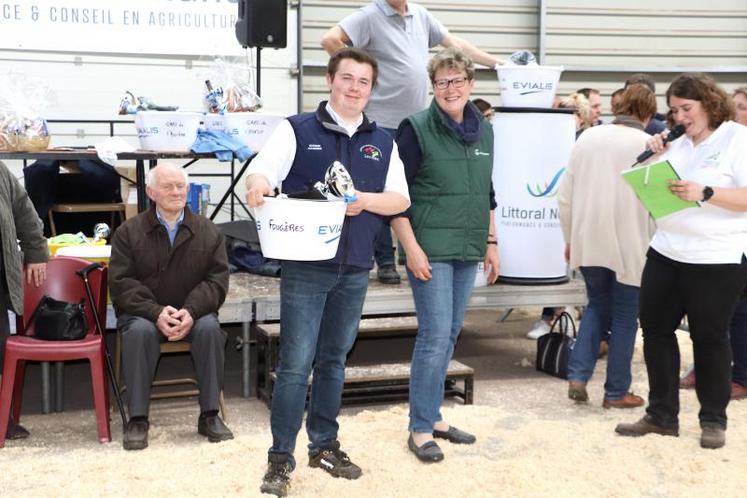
[[540, 328]]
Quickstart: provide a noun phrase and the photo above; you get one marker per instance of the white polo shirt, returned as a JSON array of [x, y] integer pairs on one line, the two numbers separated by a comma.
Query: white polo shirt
[[708, 234]]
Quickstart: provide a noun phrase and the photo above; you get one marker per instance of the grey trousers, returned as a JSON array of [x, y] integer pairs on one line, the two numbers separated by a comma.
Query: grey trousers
[[141, 350]]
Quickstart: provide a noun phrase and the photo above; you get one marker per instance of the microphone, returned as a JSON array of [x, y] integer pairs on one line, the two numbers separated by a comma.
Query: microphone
[[674, 134]]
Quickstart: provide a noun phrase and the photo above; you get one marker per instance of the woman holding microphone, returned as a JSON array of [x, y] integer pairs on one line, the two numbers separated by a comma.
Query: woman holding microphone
[[696, 263]]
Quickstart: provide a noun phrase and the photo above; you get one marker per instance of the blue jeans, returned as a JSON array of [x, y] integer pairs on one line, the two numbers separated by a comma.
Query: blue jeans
[[320, 309], [440, 304], [738, 336], [612, 306]]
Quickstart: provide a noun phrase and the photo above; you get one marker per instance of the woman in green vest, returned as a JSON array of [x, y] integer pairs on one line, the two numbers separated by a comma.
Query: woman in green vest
[[448, 154]]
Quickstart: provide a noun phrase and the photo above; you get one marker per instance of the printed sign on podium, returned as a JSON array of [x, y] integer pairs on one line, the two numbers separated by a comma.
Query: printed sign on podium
[[532, 148]]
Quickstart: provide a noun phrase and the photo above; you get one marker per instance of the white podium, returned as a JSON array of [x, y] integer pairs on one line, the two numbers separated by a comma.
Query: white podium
[[532, 148]]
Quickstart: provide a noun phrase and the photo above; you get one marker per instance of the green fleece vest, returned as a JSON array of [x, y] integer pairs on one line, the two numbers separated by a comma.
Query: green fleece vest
[[450, 210]]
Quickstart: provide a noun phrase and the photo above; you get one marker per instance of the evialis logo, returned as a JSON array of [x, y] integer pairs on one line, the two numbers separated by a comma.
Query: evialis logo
[[547, 191], [371, 152], [332, 231], [478, 152], [529, 87], [314, 147]]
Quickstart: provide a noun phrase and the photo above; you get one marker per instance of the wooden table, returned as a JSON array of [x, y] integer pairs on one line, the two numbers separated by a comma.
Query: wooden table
[[140, 157]]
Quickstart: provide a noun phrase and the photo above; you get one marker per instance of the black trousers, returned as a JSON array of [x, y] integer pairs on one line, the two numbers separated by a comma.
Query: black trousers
[[708, 295]]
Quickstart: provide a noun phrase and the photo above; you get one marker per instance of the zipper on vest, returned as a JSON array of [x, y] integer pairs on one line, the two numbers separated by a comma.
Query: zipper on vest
[[465, 238], [346, 221]]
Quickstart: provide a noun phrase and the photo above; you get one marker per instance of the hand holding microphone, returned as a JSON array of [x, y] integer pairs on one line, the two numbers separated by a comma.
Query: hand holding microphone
[[657, 143]]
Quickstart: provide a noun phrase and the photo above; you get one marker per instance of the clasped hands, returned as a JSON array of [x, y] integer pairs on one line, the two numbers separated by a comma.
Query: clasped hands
[[174, 324]]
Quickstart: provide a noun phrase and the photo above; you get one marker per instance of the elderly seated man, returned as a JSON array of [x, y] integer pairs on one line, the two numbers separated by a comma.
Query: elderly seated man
[[168, 276]]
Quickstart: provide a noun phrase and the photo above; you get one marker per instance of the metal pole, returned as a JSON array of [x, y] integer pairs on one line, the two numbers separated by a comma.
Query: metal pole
[[83, 274], [259, 68], [299, 57], [541, 28]]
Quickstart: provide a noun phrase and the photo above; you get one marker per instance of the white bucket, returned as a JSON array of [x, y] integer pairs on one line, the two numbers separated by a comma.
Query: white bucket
[[299, 229], [528, 86], [481, 280], [166, 130], [250, 128], [98, 254]]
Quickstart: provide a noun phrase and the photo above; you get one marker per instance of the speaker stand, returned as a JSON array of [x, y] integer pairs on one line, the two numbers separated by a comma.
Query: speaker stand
[[259, 67]]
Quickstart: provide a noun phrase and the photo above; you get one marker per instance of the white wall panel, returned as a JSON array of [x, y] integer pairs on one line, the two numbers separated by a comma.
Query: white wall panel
[[600, 42]]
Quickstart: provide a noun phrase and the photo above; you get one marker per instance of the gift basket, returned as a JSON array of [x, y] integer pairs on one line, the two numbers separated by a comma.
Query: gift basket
[[22, 102]]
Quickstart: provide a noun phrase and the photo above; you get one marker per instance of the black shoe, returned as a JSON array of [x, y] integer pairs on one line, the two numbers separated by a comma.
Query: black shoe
[[16, 431], [429, 452], [136, 435], [213, 428], [455, 435], [645, 426], [336, 463], [713, 437], [277, 478], [387, 274]]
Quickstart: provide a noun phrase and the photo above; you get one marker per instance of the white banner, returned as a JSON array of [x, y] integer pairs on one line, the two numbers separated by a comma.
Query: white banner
[[530, 155], [179, 27]]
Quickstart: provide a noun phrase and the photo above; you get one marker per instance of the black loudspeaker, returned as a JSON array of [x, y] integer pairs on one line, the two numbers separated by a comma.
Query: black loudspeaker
[[262, 23]]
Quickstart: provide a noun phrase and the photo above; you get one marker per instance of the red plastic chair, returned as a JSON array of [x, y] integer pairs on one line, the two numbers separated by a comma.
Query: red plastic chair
[[63, 284]]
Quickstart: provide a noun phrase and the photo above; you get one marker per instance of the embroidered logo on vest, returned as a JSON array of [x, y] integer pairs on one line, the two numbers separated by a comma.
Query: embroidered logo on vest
[[314, 147], [371, 152], [478, 152]]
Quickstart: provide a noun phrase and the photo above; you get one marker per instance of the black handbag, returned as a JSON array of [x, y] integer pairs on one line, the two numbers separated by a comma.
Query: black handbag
[[58, 320], [554, 348]]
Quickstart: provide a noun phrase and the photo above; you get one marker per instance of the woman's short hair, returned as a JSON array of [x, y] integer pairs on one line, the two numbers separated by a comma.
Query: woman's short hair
[[581, 105], [451, 58], [356, 54], [701, 87], [742, 90], [638, 101]]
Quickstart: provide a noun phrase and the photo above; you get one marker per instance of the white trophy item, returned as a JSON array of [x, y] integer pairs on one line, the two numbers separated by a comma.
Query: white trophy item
[[100, 231], [340, 182]]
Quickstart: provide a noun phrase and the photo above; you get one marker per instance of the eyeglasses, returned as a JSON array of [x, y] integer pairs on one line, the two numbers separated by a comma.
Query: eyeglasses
[[455, 82]]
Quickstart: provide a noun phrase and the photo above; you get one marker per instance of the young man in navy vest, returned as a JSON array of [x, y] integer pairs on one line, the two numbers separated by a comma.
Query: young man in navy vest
[[321, 301]]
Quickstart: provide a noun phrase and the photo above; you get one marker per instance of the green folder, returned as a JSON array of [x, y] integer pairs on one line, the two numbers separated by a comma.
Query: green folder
[[651, 185]]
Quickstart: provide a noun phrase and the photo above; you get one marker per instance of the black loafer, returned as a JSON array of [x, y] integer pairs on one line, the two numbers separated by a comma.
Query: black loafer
[[455, 436], [429, 452], [213, 428], [136, 435]]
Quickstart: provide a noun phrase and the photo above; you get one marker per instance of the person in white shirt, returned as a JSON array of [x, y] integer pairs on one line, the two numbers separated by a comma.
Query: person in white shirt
[[321, 301], [398, 34], [696, 264]]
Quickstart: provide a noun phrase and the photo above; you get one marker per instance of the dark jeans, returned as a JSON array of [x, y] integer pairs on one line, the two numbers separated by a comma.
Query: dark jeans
[[708, 295], [320, 308], [612, 306], [738, 334], [384, 248]]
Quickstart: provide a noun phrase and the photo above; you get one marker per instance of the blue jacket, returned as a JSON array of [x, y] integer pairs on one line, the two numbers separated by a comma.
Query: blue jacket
[[319, 142]]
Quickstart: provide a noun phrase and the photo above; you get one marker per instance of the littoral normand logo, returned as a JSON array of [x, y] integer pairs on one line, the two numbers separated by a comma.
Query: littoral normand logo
[[547, 190]]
